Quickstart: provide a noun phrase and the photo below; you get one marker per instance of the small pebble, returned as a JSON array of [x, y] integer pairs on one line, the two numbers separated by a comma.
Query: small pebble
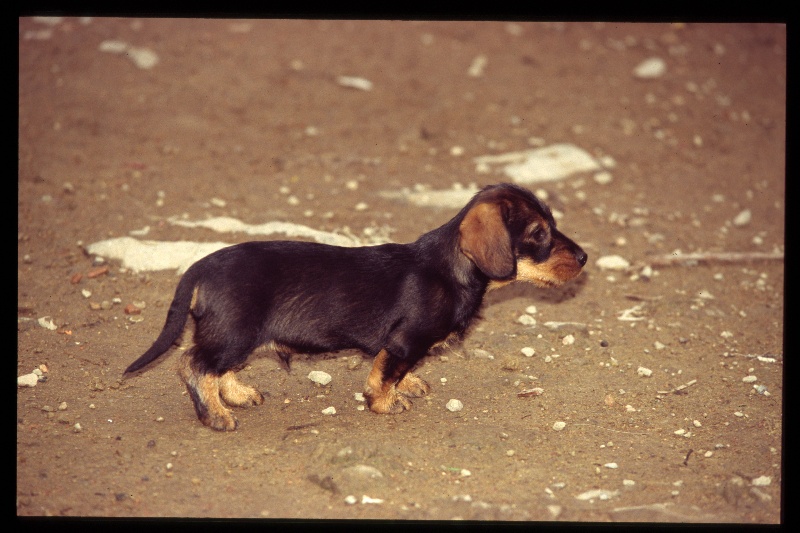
[[526, 320], [320, 377], [743, 218], [527, 351], [558, 426], [28, 380], [531, 310], [454, 405], [749, 379], [329, 411], [612, 262], [644, 372], [761, 481], [569, 339], [611, 465], [651, 68]]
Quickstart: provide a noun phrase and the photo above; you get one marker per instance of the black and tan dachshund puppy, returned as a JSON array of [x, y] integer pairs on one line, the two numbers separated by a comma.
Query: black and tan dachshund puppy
[[393, 301]]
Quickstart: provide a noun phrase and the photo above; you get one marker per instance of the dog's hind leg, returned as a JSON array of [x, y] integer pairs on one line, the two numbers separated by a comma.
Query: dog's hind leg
[[204, 389]]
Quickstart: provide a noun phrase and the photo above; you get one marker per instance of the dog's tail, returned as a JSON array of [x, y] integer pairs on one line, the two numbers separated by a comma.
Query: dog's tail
[[176, 321]]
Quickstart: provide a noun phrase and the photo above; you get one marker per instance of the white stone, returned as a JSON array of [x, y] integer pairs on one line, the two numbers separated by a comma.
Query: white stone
[[743, 218], [612, 262], [527, 351], [28, 380], [650, 68], [644, 372], [318, 376], [454, 405], [558, 426]]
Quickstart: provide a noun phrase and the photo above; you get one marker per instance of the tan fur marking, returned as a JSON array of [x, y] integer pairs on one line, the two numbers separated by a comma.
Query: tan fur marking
[[194, 298], [205, 393], [382, 396], [237, 394], [413, 386]]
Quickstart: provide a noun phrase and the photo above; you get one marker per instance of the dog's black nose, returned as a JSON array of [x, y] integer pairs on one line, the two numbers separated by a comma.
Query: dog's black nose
[[581, 256]]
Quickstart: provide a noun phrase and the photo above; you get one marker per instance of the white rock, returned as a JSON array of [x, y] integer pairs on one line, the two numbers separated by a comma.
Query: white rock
[[743, 218], [47, 323], [749, 379], [329, 410], [558, 426], [531, 310], [144, 58], [350, 499], [318, 376], [113, 46], [28, 380], [597, 494], [651, 68], [761, 481], [477, 66], [611, 465], [526, 320], [603, 178], [527, 351], [612, 262], [354, 82], [569, 339], [359, 396], [367, 499], [454, 405], [644, 372]]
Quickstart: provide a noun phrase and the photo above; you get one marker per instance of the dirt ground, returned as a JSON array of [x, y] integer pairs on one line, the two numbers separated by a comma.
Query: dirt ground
[[247, 119]]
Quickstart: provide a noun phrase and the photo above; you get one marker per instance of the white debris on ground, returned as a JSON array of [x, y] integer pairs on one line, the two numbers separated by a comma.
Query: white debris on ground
[[145, 255], [232, 225], [144, 58], [354, 82], [454, 198], [142, 256], [650, 68], [320, 377], [550, 163]]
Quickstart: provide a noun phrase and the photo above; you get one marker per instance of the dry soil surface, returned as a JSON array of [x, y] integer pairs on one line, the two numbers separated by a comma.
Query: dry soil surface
[[126, 123]]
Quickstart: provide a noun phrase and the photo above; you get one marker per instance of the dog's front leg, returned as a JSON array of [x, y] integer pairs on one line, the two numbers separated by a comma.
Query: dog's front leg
[[390, 383]]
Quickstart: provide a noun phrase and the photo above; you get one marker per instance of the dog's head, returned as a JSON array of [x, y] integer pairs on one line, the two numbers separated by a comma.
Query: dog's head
[[510, 235]]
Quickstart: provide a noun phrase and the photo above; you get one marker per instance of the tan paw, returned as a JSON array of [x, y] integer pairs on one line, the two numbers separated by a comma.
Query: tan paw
[[413, 386]]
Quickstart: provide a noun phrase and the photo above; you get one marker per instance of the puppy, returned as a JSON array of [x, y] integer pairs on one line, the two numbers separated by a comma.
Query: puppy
[[393, 301]]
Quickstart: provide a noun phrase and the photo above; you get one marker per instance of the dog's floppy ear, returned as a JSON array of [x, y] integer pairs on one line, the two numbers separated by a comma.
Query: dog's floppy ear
[[486, 241]]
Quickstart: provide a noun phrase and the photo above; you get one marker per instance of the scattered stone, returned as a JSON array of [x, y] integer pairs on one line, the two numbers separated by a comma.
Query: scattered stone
[[478, 64], [47, 323], [526, 320], [329, 411], [354, 82], [527, 351], [366, 499], [644, 372], [97, 272], [612, 262], [651, 68], [76, 278], [569, 339], [761, 481], [749, 379], [28, 380], [597, 494], [603, 178], [131, 309], [558, 426], [742, 219], [319, 377], [555, 326], [611, 465], [454, 405], [527, 393], [550, 163]]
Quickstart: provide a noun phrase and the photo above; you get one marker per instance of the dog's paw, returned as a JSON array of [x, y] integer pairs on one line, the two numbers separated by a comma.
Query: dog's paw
[[221, 421], [413, 386], [391, 402], [237, 394]]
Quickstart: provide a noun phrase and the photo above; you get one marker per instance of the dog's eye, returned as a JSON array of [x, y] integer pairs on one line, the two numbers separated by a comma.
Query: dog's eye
[[539, 235]]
